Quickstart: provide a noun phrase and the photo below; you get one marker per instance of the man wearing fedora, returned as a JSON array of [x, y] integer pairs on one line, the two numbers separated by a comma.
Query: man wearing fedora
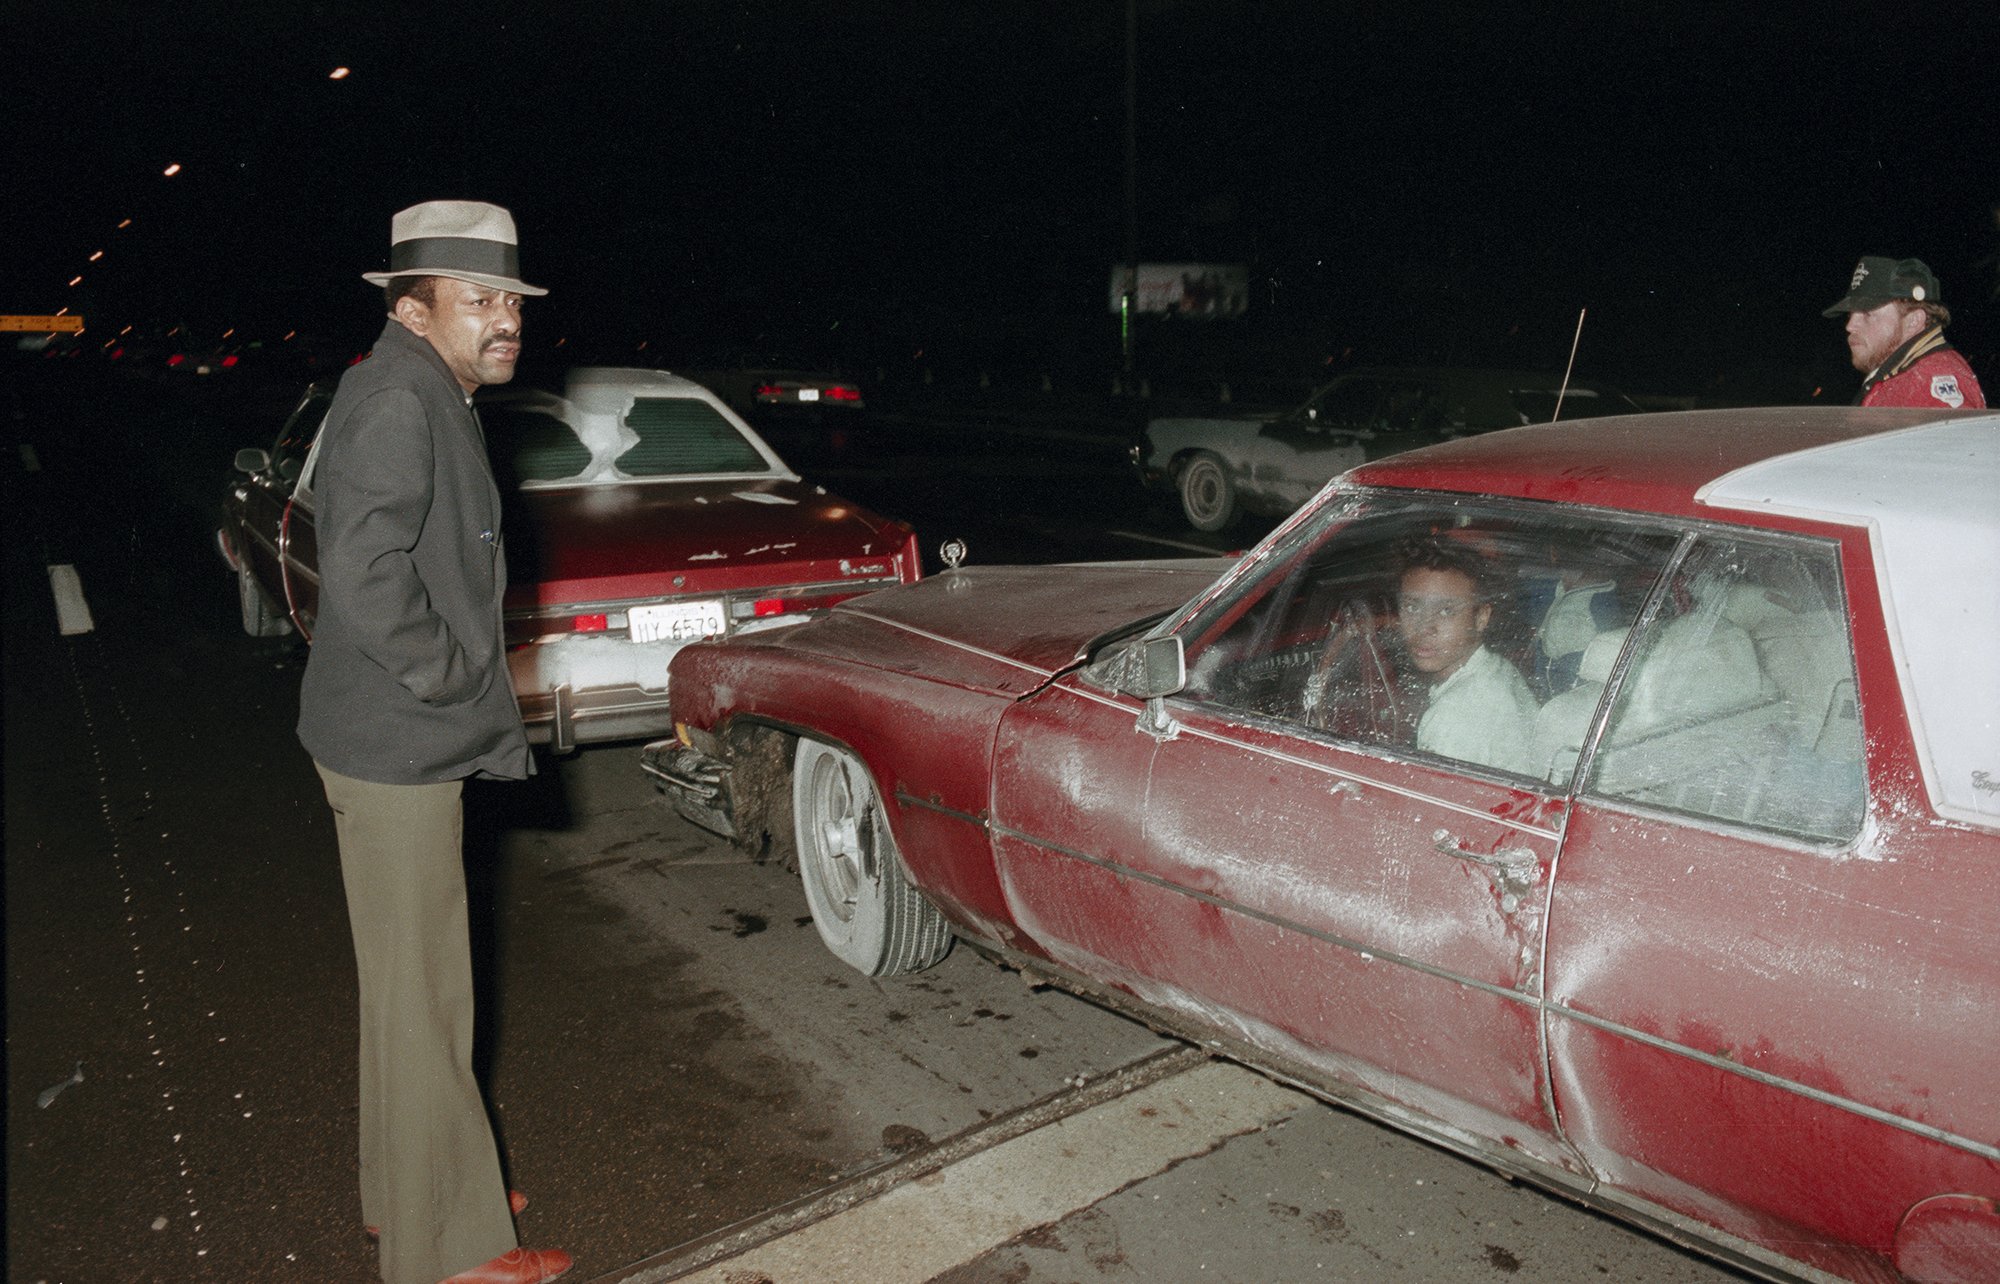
[[405, 695], [1895, 333]]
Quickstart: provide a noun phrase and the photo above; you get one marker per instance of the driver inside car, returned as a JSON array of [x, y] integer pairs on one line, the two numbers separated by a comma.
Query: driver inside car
[[1480, 710]]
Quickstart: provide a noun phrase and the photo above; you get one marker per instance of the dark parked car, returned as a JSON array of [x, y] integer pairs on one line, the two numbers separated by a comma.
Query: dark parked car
[[1617, 804], [1222, 467], [643, 514]]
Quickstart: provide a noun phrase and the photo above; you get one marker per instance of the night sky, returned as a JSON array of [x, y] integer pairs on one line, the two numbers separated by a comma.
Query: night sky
[[865, 181]]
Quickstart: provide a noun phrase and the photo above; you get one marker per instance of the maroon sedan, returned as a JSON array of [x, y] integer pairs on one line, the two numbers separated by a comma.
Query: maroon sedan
[[643, 514], [1618, 805]]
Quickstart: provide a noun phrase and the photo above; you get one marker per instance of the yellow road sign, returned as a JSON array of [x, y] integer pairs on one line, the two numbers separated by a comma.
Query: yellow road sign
[[60, 325], [45, 325]]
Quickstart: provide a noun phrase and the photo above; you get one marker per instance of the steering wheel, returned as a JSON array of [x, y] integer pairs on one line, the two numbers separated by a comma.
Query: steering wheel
[[1353, 690]]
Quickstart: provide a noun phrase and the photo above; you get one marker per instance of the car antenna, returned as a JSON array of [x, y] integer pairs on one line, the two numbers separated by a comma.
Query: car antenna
[[1563, 391]]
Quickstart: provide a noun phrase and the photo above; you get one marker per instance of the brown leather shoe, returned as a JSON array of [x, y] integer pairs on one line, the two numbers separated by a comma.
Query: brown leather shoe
[[515, 1200], [520, 1266]]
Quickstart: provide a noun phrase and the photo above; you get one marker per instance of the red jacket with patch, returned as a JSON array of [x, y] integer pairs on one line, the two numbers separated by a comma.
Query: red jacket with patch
[[1927, 372]]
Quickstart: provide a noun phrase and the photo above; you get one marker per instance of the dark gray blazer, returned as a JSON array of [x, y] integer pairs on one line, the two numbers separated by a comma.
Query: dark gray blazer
[[407, 680]]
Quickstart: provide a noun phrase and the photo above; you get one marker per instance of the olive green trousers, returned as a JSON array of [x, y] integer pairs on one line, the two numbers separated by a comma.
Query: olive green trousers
[[430, 1172]]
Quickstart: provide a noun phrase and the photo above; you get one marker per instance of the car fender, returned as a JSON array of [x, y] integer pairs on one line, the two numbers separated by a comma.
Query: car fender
[[933, 783]]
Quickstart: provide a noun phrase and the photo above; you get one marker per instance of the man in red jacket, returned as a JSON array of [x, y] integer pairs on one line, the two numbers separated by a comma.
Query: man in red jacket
[[1895, 332]]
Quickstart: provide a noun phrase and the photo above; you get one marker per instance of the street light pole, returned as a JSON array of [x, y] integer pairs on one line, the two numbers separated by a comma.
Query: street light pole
[[1131, 179]]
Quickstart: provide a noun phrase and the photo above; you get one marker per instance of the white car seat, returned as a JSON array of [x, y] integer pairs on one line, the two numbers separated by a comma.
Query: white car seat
[[1564, 722]]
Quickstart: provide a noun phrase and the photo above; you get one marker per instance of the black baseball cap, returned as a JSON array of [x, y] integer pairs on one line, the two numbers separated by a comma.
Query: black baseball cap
[[1878, 281]]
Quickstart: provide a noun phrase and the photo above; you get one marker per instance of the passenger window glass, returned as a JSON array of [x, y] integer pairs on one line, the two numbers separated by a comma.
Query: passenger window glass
[[1345, 404], [1739, 702], [1443, 628], [684, 436], [288, 453]]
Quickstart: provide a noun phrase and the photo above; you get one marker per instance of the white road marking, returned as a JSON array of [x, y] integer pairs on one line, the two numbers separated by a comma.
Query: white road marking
[[912, 1233], [72, 612], [29, 459]]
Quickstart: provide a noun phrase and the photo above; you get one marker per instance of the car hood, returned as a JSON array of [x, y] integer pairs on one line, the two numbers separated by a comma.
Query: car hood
[[639, 537], [1002, 628]]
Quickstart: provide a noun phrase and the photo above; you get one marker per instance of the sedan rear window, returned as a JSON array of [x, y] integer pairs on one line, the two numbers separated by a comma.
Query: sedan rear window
[[533, 445], [682, 436]]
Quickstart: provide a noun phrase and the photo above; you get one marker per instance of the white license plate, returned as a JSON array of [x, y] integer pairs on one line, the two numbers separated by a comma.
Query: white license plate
[[678, 621], [808, 394]]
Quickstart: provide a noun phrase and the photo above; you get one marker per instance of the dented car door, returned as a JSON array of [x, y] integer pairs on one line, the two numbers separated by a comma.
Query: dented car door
[[1729, 944], [1292, 852]]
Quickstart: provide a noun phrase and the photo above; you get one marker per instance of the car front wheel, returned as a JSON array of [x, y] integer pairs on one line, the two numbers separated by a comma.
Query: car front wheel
[[1208, 497], [259, 620], [862, 903]]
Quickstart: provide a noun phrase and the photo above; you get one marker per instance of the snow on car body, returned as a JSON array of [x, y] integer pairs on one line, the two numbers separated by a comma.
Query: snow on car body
[[1711, 949]]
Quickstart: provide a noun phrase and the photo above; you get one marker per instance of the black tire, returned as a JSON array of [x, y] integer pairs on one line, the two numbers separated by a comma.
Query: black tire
[[259, 619], [862, 903], [1208, 497]]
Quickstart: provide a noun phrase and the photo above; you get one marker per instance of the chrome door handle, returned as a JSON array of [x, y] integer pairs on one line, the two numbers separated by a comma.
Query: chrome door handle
[[1514, 860], [1515, 870]]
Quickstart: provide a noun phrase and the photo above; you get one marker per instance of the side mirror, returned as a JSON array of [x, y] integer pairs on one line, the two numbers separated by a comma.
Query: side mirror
[[252, 460], [1146, 668]]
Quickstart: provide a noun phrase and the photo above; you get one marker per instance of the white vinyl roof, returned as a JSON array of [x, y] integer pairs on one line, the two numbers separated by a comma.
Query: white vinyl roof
[[1930, 498]]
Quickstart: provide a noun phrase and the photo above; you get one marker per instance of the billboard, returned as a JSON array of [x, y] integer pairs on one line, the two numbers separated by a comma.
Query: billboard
[[1196, 290]]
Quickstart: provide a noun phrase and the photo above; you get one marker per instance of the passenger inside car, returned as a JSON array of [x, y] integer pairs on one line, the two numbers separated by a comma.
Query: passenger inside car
[[1497, 614], [1480, 709]]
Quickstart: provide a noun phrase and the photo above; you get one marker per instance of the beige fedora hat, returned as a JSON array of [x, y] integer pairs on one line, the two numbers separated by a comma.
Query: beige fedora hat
[[465, 240]]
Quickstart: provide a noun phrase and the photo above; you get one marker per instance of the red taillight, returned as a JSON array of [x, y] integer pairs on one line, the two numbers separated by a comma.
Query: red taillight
[[788, 605], [229, 362], [841, 392], [178, 360], [769, 390], [590, 623]]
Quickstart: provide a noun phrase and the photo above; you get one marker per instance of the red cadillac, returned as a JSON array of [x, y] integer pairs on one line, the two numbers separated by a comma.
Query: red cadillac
[[1617, 804], [643, 514]]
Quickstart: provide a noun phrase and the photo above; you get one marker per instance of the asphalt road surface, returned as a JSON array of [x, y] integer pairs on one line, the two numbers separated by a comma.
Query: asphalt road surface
[[685, 1084]]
